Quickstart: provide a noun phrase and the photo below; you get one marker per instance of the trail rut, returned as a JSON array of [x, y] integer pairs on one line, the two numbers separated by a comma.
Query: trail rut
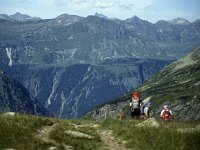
[[110, 142]]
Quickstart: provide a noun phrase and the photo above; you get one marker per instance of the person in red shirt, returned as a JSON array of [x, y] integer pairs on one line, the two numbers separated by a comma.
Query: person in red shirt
[[135, 105]]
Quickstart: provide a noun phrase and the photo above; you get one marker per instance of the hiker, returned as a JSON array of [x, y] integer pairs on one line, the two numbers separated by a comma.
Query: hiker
[[166, 113], [146, 110], [135, 105], [122, 116]]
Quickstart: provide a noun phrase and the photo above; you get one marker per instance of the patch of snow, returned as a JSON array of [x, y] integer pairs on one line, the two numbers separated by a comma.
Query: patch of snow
[[63, 101], [106, 58], [56, 81], [73, 53], [76, 105], [87, 93], [9, 54], [70, 38], [46, 49], [86, 76], [89, 68], [101, 58]]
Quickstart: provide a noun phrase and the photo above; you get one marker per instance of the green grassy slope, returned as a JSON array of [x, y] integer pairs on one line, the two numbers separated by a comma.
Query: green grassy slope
[[165, 137], [177, 85], [28, 133]]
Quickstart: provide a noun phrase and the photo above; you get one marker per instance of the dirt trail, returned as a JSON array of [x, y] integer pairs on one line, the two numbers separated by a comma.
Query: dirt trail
[[110, 142]]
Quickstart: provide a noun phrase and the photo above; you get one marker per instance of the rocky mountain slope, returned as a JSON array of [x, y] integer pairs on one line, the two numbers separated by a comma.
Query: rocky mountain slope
[[72, 64], [177, 85], [71, 91], [69, 39], [15, 98]]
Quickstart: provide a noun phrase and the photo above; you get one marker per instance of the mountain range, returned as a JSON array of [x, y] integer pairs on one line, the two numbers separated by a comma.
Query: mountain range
[[72, 64], [18, 17]]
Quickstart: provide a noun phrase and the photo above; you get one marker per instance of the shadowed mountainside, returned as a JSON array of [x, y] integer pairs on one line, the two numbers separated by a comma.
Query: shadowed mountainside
[[15, 98]]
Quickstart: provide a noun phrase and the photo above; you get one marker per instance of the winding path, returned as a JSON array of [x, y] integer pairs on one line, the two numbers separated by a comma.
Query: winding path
[[110, 142]]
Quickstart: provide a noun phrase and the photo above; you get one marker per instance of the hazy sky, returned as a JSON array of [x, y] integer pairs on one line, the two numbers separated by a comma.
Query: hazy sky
[[151, 10]]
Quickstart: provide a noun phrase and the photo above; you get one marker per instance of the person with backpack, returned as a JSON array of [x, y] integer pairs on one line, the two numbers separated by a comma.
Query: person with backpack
[[166, 113], [135, 105], [146, 110]]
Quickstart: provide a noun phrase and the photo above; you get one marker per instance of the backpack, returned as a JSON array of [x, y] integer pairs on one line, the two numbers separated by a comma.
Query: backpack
[[143, 110], [166, 114], [135, 103]]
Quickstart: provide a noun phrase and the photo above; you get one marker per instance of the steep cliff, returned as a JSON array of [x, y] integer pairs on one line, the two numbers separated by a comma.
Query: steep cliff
[[15, 98]]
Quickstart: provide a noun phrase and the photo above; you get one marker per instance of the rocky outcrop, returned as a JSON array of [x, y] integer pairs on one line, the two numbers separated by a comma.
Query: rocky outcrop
[[78, 134]]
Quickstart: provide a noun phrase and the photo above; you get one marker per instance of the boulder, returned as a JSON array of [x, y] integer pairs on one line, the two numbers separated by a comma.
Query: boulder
[[151, 122], [78, 134], [9, 114]]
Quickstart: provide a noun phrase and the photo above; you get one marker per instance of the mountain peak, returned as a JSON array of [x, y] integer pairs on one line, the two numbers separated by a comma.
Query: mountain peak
[[18, 13], [66, 16], [4, 16], [100, 15], [179, 21], [20, 17], [63, 15], [134, 18]]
